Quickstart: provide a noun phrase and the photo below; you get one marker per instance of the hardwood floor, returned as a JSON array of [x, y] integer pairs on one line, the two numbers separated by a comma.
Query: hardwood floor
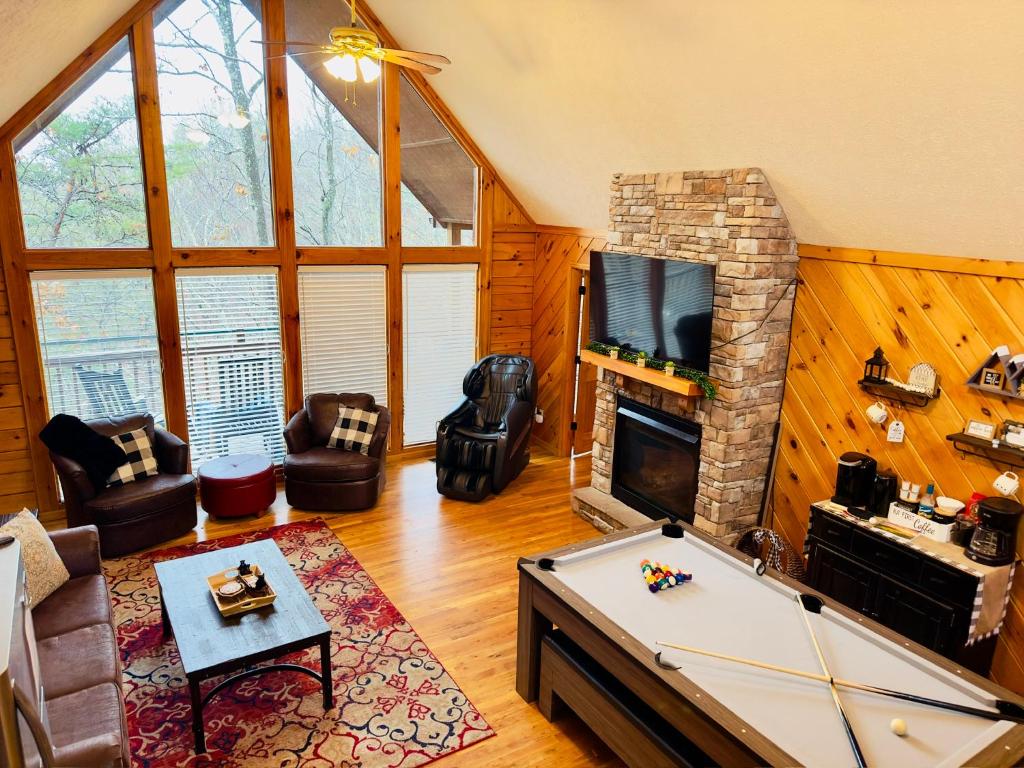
[[450, 568]]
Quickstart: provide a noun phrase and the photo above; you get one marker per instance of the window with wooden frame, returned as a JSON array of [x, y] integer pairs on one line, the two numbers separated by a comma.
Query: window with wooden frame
[[215, 130], [98, 342], [344, 326], [163, 130], [335, 140], [230, 327], [438, 342], [439, 180], [78, 163]]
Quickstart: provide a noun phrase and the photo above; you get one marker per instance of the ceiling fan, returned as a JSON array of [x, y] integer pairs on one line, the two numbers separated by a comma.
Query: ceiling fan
[[356, 49]]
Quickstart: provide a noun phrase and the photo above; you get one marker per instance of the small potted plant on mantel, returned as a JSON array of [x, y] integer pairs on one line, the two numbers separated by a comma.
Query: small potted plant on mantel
[[641, 359], [670, 369], [613, 353]]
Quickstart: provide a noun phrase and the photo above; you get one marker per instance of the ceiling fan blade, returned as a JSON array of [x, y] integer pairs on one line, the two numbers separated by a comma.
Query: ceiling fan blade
[[409, 63], [295, 53], [423, 58], [286, 42]]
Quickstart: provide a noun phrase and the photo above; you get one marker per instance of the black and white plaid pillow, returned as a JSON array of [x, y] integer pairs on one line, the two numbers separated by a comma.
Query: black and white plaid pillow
[[354, 429], [141, 461]]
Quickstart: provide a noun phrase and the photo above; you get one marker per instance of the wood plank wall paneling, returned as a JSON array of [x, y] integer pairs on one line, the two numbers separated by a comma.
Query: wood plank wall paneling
[[17, 481], [924, 310], [513, 247], [554, 328]]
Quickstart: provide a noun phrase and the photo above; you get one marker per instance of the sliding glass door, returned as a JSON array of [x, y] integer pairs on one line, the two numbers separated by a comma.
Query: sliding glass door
[[231, 355]]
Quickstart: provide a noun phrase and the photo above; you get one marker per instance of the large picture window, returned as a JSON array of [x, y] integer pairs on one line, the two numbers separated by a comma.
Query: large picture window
[[98, 343], [344, 327], [439, 180], [214, 109], [78, 164], [231, 354], [335, 140], [438, 340]]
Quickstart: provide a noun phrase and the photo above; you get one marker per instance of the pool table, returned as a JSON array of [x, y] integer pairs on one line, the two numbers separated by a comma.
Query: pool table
[[595, 595]]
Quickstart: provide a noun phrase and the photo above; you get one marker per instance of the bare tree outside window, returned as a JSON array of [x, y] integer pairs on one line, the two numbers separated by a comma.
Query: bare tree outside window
[[214, 109]]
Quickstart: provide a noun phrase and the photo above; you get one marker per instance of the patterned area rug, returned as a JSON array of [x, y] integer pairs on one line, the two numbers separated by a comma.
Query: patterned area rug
[[395, 705]]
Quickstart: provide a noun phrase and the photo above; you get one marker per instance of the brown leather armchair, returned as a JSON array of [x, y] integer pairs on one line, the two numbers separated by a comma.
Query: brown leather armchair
[[331, 479], [140, 514], [485, 443]]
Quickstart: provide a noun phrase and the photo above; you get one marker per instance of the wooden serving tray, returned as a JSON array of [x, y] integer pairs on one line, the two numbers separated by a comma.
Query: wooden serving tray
[[245, 600]]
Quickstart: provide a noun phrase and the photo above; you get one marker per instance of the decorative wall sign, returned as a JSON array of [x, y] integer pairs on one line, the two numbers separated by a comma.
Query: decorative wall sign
[[1013, 433], [896, 432], [980, 429], [992, 378]]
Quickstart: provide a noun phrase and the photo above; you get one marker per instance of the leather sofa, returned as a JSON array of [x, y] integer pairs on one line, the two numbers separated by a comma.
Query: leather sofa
[[136, 515], [79, 660], [485, 443], [319, 478]]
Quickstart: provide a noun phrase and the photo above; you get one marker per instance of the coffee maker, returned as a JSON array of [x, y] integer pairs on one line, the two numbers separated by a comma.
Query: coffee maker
[[994, 539], [855, 480]]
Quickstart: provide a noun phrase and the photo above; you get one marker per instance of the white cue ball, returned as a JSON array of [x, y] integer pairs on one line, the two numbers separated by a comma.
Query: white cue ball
[[898, 727]]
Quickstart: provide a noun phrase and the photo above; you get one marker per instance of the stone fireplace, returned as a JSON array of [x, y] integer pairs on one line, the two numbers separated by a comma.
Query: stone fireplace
[[732, 219]]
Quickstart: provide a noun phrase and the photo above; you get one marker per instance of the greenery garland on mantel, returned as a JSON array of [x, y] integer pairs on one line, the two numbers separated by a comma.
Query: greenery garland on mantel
[[698, 377]]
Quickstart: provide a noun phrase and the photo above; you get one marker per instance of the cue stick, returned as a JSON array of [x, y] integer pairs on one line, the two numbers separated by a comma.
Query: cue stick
[[861, 762], [913, 697]]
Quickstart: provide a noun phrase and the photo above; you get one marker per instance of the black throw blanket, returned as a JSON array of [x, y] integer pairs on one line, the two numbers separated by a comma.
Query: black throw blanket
[[72, 438]]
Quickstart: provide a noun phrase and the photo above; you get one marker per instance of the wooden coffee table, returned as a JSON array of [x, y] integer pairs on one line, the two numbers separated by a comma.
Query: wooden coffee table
[[211, 645]]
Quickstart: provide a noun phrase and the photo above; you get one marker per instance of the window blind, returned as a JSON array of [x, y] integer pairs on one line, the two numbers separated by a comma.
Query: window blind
[[344, 328], [231, 354], [98, 342], [438, 340]]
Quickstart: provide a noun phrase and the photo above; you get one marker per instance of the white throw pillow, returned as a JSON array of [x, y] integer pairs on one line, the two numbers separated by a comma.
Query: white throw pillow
[[44, 570]]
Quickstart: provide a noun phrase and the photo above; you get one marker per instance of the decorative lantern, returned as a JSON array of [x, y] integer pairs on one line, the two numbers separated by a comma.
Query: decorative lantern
[[876, 368]]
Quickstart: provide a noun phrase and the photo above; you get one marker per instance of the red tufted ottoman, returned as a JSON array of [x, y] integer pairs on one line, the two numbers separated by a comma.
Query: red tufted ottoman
[[234, 486]]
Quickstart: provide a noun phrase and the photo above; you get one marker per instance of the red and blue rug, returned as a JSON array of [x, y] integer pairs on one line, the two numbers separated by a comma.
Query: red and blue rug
[[395, 704]]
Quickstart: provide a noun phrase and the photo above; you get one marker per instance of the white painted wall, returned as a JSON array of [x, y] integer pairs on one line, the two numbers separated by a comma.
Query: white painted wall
[[893, 125]]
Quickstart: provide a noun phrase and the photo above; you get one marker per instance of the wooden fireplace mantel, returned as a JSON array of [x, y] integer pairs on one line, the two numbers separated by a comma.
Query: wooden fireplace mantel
[[655, 378]]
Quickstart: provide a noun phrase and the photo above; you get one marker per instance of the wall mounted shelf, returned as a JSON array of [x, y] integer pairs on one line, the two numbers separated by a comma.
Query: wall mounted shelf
[[898, 394], [655, 378], [996, 392], [979, 446]]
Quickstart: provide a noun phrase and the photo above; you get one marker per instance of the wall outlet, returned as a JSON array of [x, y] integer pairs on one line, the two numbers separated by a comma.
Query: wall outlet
[[538, 416]]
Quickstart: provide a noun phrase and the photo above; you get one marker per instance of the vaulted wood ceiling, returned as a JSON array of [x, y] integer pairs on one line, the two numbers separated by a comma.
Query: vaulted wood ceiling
[[882, 125]]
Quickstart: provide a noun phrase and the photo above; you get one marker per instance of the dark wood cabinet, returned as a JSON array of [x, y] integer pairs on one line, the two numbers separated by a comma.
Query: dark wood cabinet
[[903, 588]]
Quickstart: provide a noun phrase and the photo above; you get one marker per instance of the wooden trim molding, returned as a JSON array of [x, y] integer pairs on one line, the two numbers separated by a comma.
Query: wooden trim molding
[[957, 264]]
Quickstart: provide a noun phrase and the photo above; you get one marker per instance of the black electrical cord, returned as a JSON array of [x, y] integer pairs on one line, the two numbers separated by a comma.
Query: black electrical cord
[[765, 320]]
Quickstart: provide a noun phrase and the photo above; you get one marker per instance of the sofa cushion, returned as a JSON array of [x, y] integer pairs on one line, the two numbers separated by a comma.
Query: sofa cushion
[[78, 659], [329, 465], [142, 498], [88, 727], [44, 570], [81, 602]]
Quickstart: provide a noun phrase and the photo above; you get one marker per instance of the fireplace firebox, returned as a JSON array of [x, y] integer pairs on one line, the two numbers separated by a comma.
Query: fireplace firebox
[[655, 462]]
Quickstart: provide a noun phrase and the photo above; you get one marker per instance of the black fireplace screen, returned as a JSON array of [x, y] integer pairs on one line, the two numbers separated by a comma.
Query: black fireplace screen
[[655, 463]]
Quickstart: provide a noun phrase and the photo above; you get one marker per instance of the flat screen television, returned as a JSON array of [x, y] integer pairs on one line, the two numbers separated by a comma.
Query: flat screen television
[[659, 306]]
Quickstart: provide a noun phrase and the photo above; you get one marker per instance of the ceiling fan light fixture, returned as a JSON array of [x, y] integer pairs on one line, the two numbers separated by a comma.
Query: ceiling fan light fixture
[[369, 68], [342, 67]]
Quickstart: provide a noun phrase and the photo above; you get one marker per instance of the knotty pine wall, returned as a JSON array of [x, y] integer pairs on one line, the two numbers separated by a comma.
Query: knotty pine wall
[[512, 268], [948, 312], [17, 489], [554, 328]]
